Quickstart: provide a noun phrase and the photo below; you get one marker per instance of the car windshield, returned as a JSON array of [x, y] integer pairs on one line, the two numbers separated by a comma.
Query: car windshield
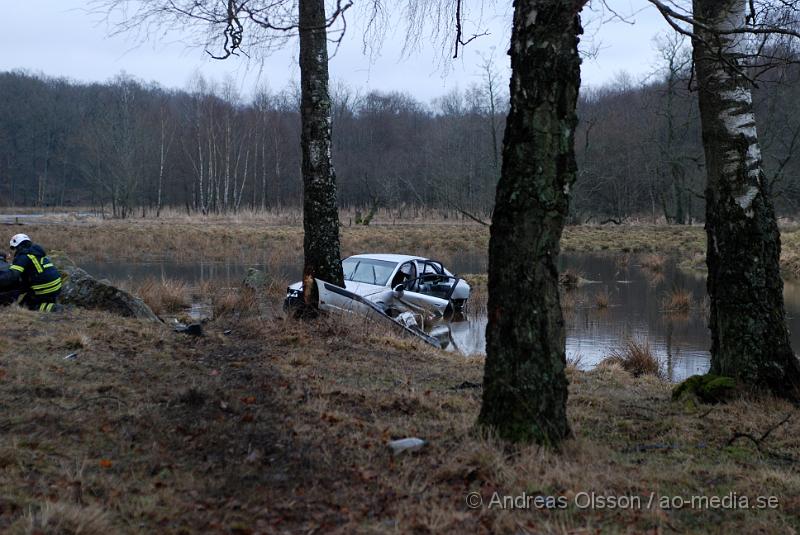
[[368, 270]]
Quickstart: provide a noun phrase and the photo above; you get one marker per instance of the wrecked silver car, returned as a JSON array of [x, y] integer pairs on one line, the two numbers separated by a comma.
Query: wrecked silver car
[[411, 290], [387, 278]]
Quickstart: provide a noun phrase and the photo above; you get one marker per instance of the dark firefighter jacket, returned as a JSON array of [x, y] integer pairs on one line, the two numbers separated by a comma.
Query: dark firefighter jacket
[[32, 272]]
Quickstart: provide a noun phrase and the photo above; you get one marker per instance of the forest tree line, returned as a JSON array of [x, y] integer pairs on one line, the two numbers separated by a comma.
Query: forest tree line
[[132, 147]]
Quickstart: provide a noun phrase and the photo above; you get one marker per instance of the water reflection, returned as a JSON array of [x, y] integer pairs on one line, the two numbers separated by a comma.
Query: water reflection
[[634, 308], [193, 273]]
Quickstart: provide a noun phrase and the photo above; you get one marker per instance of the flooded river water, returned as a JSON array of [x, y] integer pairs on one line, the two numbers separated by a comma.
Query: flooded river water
[[635, 306]]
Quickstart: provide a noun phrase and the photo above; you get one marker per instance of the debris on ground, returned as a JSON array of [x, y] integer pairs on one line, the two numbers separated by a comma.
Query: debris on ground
[[407, 444]]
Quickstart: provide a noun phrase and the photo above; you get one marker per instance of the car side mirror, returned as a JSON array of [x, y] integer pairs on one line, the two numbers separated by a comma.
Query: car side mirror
[[398, 291]]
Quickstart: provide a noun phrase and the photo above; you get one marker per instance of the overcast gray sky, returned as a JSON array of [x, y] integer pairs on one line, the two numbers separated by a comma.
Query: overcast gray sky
[[59, 38]]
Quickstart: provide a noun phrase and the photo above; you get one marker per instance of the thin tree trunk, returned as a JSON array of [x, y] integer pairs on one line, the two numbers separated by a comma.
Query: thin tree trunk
[[525, 386], [320, 214], [264, 173], [244, 179], [749, 338], [164, 149], [226, 186]]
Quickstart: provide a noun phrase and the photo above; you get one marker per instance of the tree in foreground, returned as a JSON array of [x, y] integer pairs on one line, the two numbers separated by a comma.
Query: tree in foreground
[[322, 257], [733, 41], [750, 340], [525, 385], [266, 24]]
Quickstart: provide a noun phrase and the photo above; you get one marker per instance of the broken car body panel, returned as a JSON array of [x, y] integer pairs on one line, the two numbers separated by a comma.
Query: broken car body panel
[[338, 298]]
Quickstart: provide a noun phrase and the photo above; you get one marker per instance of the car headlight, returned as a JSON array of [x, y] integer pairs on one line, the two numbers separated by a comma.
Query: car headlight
[[290, 292]]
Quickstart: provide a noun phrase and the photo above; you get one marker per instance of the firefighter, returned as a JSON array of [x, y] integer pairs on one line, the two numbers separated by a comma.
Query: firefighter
[[31, 274]]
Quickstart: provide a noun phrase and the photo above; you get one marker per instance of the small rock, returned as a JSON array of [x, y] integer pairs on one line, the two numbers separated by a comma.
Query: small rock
[[195, 329], [407, 444], [467, 384], [192, 397], [253, 456]]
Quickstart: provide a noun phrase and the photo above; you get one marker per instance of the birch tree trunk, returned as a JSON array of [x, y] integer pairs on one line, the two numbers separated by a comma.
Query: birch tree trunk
[[525, 387], [320, 214], [749, 338]]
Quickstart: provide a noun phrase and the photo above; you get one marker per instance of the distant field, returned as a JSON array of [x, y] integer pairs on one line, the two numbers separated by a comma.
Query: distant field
[[276, 237]]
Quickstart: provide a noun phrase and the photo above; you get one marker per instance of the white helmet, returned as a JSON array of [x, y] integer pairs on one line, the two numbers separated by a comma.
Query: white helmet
[[16, 239]]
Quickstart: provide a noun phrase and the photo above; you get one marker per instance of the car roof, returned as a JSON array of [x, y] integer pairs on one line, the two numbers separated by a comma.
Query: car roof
[[389, 257]]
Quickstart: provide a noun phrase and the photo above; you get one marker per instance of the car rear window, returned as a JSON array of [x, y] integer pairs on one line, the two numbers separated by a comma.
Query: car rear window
[[371, 271]]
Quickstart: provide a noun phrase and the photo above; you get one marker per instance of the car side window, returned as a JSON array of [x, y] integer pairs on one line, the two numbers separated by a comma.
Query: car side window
[[348, 266], [431, 268], [407, 272]]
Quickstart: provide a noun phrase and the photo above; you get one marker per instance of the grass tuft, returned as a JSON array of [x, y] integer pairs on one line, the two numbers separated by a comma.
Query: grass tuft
[[602, 299], [636, 358], [679, 300], [570, 278], [77, 340], [235, 301], [57, 518], [654, 262], [163, 296]]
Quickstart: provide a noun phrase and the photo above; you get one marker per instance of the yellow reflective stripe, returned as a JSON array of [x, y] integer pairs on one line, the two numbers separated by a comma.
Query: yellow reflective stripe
[[50, 306], [18, 268], [36, 263], [42, 307], [46, 285], [48, 291], [45, 266]]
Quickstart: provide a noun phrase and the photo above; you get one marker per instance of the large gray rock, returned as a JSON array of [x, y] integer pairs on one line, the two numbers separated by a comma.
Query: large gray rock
[[83, 290]]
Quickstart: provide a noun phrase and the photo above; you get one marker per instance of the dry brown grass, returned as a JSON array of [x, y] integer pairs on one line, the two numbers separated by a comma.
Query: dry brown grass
[[76, 340], [622, 261], [163, 296], [636, 358], [570, 278], [602, 299], [59, 518], [574, 363], [678, 300], [570, 301], [284, 429], [654, 262], [234, 301], [478, 296]]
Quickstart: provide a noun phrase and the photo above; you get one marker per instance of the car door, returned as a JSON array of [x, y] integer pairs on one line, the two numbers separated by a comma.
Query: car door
[[414, 289], [337, 299]]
